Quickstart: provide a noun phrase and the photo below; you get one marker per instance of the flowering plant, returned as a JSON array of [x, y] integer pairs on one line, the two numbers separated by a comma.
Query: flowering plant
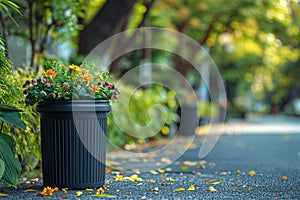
[[65, 82]]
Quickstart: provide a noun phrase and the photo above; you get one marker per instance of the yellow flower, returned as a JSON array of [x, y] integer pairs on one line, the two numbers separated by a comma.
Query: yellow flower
[[47, 191], [100, 191], [87, 78], [165, 130], [99, 75], [50, 72], [75, 68]]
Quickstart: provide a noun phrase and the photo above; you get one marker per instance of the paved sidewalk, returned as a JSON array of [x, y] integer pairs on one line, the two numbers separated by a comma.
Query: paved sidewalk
[[241, 166]]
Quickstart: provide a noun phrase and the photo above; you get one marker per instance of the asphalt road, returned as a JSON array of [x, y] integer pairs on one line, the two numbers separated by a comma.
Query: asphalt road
[[241, 166]]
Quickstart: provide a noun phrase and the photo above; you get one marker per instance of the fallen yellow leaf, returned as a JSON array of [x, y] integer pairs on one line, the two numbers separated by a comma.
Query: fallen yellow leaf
[[179, 190], [191, 188], [108, 196], [170, 179], [150, 181], [200, 166], [168, 169], [212, 189], [30, 190], [284, 178], [184, 167], [3, 195], [78, 193], [252, 173], [161, 171], [153, 172], [215, 182]]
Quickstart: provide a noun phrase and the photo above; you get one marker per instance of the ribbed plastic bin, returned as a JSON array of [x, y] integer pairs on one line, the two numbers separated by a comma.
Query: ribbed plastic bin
[[73, 142]]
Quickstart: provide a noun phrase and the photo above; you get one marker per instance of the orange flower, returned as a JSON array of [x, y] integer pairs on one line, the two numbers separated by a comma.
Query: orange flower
[[50, 72], [87, 78], [100, 191], [48, 191], [84, 71], [75, 68], [95, 88]]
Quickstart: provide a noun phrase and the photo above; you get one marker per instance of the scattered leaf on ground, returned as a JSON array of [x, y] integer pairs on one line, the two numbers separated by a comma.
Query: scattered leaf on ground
[[109, 196], [189, 163], [135, 178], [3, 195], [212, 189], [237, 172], [284, 178], [206, 180], [252, 173], [179, 190], [64, 196], [191, 188], [184, 167], [78, 193], [249, 189], [166, 160], [161, 171], [170, 179], [223, 173], [200, 166], [118, 178], [153, 172], [155, 188], [30, 190], [64, 190], [215, 182], [150, 181], [144, 197], [168, 169]]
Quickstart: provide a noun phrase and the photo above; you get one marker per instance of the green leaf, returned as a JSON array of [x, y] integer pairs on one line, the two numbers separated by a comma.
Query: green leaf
[[9, 140], [11, 115], [2, 168], [82, 91], [12, 165], [7, 107]]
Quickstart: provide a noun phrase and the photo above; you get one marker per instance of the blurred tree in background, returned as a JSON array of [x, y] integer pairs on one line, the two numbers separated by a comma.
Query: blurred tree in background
[[253, 42]]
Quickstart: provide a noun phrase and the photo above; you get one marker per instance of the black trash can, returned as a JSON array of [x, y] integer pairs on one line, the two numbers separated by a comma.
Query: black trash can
[[73, 142]]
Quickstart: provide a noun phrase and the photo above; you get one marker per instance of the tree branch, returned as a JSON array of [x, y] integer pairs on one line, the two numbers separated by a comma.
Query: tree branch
[[31, 35], [4, 35]]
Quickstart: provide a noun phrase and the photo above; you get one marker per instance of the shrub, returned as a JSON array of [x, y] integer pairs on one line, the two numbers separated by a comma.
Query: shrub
[[140, 105]]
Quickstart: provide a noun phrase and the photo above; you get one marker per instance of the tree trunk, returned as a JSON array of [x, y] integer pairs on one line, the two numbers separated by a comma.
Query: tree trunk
[[105, 24]]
